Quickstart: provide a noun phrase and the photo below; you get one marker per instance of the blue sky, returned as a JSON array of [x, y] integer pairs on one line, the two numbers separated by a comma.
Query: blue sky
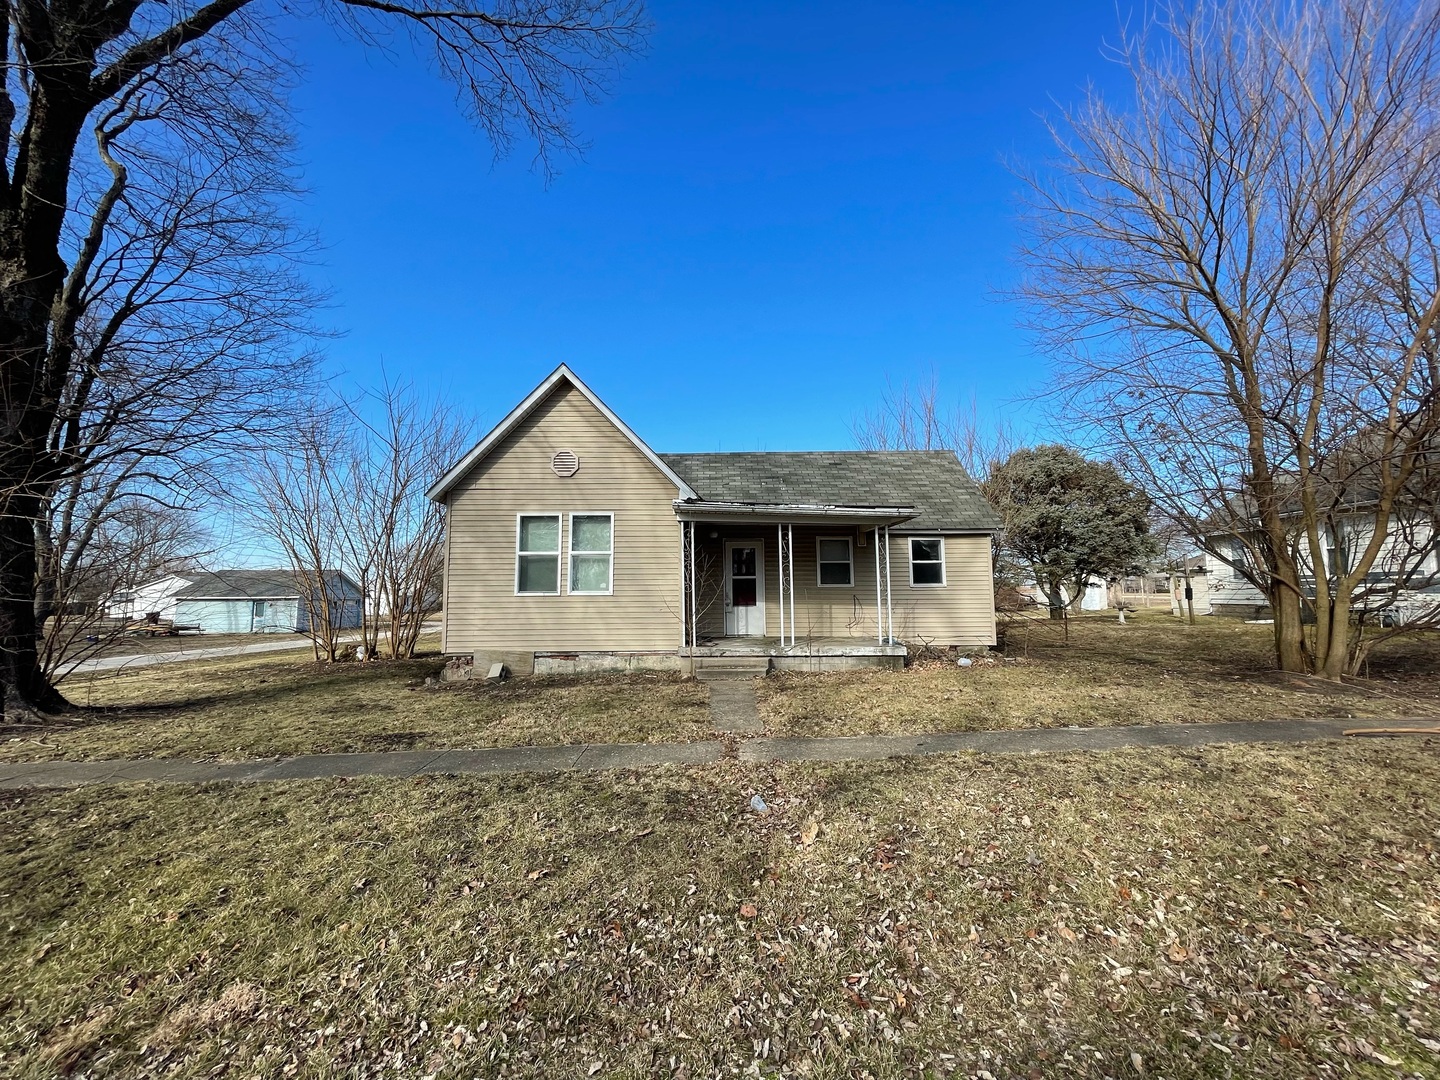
[[780, 207]]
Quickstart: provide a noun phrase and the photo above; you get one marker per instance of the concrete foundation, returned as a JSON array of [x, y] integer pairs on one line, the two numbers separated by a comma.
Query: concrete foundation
[[824, 654], [580, 663]]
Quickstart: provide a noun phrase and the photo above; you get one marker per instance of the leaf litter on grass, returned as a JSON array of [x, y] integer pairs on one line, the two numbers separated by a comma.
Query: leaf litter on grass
[[924, 929]]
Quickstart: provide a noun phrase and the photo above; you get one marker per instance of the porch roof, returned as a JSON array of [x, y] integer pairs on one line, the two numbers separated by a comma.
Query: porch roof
[[924, 490], [794, 513]]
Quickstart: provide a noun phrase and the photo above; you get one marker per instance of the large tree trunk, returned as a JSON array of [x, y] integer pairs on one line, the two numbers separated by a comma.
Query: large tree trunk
[[1055, 596], [1334, 662], [1290, 653], [25, 686]]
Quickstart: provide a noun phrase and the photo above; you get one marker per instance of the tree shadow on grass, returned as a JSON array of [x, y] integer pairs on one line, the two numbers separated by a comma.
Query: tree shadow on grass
[[298, 686]]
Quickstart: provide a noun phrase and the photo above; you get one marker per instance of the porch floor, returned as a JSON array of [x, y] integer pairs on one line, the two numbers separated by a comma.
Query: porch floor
[[816, 646]]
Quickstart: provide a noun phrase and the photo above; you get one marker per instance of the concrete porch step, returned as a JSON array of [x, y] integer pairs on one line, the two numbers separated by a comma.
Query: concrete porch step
[[731, 667]]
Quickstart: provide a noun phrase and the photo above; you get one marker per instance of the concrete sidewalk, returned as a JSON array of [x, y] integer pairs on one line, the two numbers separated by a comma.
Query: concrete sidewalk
[[522, 759]]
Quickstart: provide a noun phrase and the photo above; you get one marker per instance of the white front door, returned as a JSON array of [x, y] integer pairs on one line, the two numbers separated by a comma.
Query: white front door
[[744, 588]]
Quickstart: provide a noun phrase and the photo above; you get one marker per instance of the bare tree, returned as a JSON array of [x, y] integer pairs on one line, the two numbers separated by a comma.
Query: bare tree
[[293, 502], [1237, 271], [102, 537], [346, 493], [395, 536], [916, 417], [175, 208]]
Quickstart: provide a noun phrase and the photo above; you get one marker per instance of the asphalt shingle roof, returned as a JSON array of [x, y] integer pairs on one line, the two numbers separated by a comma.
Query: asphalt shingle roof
[[256, 584], [932, 481]]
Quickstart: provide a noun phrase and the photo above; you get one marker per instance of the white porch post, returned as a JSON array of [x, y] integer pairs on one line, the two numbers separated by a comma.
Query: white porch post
[[790, 534], [780, 576], [889, 610], [879, 599], [694, 599], [684, 610]]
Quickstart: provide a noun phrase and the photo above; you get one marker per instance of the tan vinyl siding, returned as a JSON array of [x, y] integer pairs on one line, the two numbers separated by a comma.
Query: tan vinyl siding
[[483, 615], [960, 613]]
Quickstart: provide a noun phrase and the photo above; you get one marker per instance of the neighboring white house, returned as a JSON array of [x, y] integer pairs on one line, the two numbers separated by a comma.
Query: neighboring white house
[[153, 598], [1409, 556], [261, 601], [1096, 598]]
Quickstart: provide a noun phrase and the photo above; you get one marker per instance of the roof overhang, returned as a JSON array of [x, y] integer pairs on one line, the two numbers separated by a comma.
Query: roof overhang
[[700, 510], [441, 487]]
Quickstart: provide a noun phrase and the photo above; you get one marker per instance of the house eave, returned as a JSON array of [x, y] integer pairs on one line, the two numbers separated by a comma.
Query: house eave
[[702, 510]]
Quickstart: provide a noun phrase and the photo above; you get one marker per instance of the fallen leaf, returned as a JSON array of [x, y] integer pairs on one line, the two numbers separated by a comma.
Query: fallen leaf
[[1068, 934], [809, 831], [748, 911], [1178, 952], [536, 875]]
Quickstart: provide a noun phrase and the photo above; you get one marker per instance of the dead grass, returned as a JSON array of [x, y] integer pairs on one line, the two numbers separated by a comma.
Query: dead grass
[[1244, 911], [1154, 670], [282, 704]]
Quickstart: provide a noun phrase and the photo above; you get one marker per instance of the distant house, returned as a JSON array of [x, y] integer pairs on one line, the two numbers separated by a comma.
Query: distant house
[[261, 601], [154, 598], [570, 544], [1403, 585]]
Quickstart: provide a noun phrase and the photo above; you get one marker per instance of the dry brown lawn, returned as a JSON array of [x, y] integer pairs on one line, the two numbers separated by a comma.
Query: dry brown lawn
[[282, 704], [1226, 912], [1153, 670]]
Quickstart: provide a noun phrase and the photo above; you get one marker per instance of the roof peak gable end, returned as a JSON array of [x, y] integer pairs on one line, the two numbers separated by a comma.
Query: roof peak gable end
[[531, 402]]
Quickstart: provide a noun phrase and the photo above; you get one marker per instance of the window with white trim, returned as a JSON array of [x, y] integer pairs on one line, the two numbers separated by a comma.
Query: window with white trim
[[592, 554], [537, 554], [927, 561], [834, 562]]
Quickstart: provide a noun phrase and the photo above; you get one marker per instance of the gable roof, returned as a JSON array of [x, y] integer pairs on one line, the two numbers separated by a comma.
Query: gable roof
[[259, 585], [441, 487], [932, 481]]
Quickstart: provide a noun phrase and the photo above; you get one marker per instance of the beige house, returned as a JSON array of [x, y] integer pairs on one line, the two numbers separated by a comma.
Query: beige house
[[571, 545]]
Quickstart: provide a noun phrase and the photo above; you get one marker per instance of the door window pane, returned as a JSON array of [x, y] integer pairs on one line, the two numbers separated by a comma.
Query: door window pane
[[744, 592], [742, 562]]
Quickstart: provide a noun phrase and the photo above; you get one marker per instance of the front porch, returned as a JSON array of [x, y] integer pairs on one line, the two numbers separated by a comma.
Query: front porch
[[806, 654], [802, 588]]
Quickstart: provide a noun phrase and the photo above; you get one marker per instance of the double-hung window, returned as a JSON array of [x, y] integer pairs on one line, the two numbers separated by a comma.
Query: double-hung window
[[537, 554], [592, 554], [832, 554], [927, 560]]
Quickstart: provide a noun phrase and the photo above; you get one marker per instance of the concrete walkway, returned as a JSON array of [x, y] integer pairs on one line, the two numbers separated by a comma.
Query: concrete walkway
[[522, 759], [733, 706]]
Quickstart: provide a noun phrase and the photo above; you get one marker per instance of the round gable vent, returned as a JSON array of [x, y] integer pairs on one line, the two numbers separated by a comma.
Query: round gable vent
[[565, 463]]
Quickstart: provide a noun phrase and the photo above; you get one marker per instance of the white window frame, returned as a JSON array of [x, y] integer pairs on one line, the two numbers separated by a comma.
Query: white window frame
[[559, 544], [570, 559], [849, 558], [910, 551]]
